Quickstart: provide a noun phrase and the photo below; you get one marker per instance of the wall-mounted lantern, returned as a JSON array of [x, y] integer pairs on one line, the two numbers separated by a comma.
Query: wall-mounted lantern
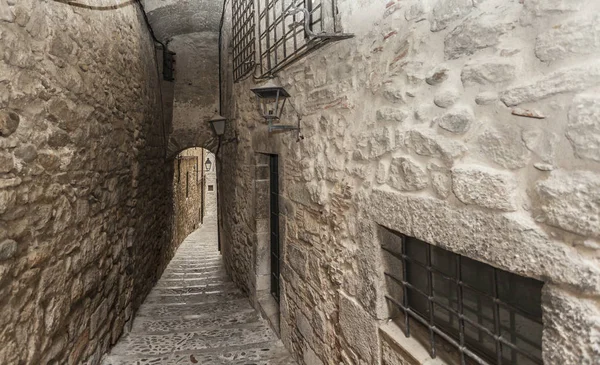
[[218, 124], [208, 164], [271, 99]]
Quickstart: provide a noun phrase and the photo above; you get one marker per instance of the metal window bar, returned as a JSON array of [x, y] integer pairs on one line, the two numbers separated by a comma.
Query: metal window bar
[[282, 37], [434, 328], [243, 38]]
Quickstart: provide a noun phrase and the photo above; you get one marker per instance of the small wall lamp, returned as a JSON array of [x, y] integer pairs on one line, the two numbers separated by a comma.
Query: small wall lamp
[[271, 99], [218, 124], [208, 164]]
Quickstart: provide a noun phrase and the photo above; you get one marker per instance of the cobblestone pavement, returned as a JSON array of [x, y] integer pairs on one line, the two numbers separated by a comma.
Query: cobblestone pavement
[[195, 315]]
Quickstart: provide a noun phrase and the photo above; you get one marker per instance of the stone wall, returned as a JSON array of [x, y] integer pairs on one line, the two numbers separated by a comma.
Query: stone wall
[[472, 125], [187, 193], [190, 29], [84, 187], [210, 202]]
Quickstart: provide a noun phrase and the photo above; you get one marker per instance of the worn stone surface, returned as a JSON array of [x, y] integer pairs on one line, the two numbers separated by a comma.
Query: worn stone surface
[[570, 200], [570, 323], [445, 98], [370, 108], [447, 11], [84, 187], [505, 147], [577, 36], [476, 185], [407, 175], [214, 326], [583, 130], [457, 120], [473, 35], [488, 72], [569, 79]]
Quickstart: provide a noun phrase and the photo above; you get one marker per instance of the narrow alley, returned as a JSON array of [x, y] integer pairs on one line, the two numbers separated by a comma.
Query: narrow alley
[[196, 315]]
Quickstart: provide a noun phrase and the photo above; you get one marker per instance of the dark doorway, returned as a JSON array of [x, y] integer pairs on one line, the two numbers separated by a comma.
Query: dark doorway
[[274, 217]]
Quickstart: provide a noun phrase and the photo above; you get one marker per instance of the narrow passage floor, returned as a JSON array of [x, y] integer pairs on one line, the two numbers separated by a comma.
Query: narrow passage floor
[[195, 315]]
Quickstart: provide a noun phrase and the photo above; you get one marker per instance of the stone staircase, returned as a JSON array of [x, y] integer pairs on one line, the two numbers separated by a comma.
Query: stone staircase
[[196, 315]]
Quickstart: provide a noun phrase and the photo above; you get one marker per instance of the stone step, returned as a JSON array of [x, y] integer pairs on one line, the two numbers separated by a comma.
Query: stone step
[[267, 353], [149, 325], [225, 311], [200, 339], [195, 269], [189, 289], [208, 297], [194, 276], [177, 283], [181, 275]]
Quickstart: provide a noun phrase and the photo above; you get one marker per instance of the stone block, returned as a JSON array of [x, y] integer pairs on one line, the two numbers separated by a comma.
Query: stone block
[[505, 147], [488, 71], [577, 36], [7, 162], [427, 143], [447, 11], [8, 249], [458, 120], [358, 328], [441, 179], [568, 79], [474, 34], [9, 122], [486, 98], [583, 130], [391, 115], [571, 328], [296, 257], [98, 317], [438, 75], [407, 175], [445, 98], [570, 200], [485, 187]]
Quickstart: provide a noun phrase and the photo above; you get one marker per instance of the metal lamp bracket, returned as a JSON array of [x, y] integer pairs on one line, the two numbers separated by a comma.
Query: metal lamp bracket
[[312, 35]]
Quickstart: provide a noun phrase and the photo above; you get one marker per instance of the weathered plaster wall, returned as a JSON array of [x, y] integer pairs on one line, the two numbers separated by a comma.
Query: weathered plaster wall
[[427, 123], [84, 187], [187, 193], [191, 30]]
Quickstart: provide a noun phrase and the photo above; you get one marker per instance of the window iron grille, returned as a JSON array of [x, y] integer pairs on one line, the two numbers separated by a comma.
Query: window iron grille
[[243, 39], [289, 29], [491, 316]]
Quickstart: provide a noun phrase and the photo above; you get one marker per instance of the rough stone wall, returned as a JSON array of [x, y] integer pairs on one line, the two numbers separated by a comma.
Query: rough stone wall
[[84, 187], [187, 193], [472, 125], [210, 202]]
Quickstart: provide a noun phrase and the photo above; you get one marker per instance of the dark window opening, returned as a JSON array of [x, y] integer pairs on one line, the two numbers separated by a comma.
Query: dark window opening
[[187, 184], [211, 187], [486, 315], [274, 224], [168, 65]]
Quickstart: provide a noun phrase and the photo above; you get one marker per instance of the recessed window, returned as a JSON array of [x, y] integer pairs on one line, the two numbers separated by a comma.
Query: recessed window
[[210, 188], [484, 314]]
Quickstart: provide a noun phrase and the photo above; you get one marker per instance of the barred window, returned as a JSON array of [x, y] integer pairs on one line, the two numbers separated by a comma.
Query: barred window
[[243, 38], [489, 316], [287, 30]]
